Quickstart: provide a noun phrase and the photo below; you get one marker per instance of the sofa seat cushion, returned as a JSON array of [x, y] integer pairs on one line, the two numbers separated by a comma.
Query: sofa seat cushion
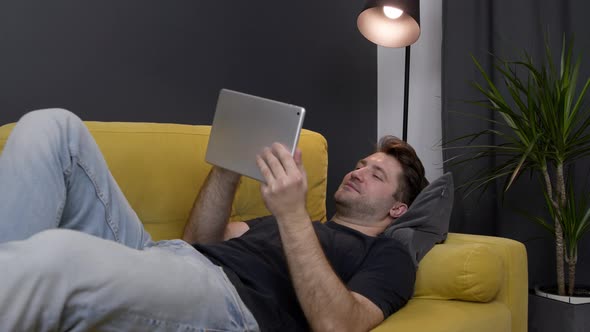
[[468, 272], [449, 316]]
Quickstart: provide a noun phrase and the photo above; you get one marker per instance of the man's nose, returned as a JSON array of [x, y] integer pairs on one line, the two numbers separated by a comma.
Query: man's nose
[[357, 174]]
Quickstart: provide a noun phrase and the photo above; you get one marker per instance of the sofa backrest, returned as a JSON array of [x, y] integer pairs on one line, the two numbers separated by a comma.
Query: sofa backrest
[[160, 168]]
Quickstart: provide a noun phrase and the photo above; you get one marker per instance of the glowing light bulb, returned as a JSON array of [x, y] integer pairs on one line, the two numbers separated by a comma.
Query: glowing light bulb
[[392, 12]]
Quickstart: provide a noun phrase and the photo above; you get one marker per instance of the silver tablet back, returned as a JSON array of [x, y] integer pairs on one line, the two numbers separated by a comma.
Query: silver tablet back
[[244, 124]]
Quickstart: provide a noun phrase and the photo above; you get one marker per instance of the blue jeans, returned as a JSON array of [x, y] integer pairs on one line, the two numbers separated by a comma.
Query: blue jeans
[[74, 255]]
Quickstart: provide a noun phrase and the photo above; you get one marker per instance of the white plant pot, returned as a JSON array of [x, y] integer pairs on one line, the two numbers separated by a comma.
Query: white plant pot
[[566, 299]]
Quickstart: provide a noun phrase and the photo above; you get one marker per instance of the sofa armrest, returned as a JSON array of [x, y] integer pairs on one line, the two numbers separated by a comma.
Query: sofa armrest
[[514, 289], [448, 316], [508, 307]]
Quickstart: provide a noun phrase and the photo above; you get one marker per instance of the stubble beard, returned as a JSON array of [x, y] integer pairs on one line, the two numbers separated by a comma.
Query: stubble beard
[[355, 209]]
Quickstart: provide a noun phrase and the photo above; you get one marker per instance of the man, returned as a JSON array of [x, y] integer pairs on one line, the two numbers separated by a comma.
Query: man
[[276, 273]]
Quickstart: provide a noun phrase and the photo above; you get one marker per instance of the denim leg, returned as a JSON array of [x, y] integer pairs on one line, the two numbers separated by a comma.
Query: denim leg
[[53, 175], [61, 280]]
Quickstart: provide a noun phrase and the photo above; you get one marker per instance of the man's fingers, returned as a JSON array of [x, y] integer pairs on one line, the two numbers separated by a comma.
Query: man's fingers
[[264, 170], [272, 163], [287, 160], [276, 162], [298, 157], [299, 161]]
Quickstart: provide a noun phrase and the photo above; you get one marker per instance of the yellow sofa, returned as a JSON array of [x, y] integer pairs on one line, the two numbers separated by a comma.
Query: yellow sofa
[[469, 283]]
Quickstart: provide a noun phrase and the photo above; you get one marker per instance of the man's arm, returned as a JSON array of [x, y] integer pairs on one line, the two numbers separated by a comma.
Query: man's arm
[[327, 303], [208, 220]]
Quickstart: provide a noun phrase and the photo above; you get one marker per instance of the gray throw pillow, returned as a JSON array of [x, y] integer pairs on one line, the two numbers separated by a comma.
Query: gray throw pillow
[[426, 222]]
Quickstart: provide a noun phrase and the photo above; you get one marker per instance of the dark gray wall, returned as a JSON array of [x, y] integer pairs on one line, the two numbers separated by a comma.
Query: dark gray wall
[[165, 61]]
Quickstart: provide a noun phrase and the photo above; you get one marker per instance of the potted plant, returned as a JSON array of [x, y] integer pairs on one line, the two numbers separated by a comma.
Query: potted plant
[[543, 129]]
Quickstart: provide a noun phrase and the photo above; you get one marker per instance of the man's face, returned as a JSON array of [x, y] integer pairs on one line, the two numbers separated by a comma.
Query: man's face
[[368, 190]]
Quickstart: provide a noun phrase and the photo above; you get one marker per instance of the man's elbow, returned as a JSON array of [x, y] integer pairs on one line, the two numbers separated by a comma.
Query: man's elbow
[[188, 237], [329, 325], [339, 325]]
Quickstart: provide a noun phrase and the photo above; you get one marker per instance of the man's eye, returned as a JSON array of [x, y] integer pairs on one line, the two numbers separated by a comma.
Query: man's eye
[[377, 177]]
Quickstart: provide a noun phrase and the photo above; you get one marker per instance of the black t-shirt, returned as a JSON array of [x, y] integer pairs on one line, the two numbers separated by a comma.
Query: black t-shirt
[[375, 267]]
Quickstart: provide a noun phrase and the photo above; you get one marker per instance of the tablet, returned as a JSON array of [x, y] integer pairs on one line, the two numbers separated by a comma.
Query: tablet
[[244, 125]]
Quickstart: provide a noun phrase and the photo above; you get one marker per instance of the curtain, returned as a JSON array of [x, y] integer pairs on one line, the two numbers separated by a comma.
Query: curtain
[[504, 28]]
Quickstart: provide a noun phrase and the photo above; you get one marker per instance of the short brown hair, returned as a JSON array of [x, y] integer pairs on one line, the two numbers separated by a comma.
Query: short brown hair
[[412, 180]]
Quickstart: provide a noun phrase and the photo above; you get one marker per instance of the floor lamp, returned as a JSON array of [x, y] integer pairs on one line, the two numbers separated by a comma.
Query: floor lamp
[[393, 23]]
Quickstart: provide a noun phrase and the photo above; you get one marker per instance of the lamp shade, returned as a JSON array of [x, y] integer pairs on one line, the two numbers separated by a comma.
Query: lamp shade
[[379, 24]]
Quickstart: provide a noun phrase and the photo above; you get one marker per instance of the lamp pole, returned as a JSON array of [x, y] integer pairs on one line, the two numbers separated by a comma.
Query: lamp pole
[[406, 94]]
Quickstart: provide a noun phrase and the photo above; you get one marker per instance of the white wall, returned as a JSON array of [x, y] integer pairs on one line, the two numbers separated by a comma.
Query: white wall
[[424, 108]]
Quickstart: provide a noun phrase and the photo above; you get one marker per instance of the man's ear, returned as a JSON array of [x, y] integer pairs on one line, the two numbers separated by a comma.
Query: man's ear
[[398, 210]]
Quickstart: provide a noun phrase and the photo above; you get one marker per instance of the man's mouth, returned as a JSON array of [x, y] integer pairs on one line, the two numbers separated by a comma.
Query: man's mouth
[[351, 186]]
